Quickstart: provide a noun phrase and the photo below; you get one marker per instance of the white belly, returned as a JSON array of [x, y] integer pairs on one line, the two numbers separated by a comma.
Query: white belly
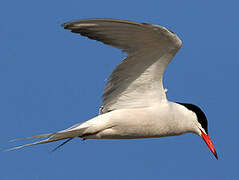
[[133, 123]]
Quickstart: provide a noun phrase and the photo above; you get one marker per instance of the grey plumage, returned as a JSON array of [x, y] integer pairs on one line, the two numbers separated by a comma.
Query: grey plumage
[[145, 44]]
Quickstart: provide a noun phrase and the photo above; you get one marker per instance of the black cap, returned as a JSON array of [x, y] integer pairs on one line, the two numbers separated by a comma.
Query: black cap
[[202, 119]]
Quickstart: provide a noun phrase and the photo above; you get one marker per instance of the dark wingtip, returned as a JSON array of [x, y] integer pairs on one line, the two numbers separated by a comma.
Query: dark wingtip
[[69, 139], [67, 25], [64, 25]]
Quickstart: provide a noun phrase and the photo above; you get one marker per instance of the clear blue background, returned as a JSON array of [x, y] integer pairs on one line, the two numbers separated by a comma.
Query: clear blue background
[[51, 79]]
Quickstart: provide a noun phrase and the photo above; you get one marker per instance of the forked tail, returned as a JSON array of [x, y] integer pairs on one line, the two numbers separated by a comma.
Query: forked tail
[[68, 134]]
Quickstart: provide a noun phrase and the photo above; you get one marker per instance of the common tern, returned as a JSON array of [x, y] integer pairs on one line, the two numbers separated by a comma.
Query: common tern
[[134, 103]]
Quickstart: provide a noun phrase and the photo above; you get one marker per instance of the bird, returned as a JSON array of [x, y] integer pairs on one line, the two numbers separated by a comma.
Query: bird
[[134, 102]]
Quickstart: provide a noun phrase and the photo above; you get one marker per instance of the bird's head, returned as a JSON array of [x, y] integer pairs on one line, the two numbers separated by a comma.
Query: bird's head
[[201, 124]]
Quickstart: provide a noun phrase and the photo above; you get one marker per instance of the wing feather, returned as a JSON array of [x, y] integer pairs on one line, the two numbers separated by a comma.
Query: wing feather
[[137, 80]]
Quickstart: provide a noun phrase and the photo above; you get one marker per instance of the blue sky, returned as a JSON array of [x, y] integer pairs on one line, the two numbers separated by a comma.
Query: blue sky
[[51, 79]]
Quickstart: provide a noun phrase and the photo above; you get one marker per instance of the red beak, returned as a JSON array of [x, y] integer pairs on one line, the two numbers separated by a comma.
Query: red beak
[[208, 141]]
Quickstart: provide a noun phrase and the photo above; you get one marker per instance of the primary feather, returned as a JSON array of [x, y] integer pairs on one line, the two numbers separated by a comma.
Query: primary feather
[[137, 81]]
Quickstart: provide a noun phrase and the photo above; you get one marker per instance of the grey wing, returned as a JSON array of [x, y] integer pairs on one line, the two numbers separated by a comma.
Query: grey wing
[[137, 80]]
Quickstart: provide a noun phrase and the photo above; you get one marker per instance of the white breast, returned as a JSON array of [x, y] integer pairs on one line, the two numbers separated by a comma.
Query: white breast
[[164, 119]]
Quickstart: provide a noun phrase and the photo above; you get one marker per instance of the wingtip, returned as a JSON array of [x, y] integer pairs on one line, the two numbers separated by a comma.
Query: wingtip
[[67, 25], [64, 25], [69, 139]]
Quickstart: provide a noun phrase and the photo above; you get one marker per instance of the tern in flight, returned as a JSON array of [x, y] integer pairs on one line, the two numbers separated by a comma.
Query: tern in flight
[[134, 103]]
